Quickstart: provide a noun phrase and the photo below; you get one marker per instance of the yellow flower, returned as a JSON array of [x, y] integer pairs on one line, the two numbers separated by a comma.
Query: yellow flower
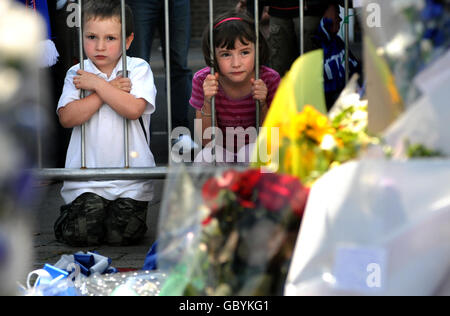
[[393, 91], [312, 124]]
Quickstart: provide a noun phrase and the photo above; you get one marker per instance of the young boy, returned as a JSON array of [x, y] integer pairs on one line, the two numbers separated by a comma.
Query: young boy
[[111, 211]]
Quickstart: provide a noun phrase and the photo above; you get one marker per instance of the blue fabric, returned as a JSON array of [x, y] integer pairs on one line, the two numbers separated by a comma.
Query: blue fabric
[[54, 271], [334, 58], [432, 12], [111, 270], [149, 17], [150, 262], [42, 8], [87, 261]]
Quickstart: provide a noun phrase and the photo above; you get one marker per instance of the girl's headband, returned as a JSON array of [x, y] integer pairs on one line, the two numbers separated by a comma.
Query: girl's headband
[[227, 19]]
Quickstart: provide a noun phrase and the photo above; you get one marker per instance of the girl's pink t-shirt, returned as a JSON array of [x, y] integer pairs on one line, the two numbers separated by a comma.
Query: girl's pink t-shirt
[[234, 112]]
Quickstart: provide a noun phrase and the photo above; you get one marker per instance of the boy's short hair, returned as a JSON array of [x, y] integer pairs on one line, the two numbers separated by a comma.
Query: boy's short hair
[[227, 33], [105, 9]]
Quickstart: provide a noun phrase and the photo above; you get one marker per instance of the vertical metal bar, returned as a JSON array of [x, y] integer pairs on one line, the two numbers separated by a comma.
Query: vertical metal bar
[[82, 92], [125, 75], [213, 99], [301, 22], [258, 114], [346, 26], [168, 81], [39, 129]]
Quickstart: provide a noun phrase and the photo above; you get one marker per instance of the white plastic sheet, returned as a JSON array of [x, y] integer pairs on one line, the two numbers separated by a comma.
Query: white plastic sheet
[[375, 227], [427, 120]]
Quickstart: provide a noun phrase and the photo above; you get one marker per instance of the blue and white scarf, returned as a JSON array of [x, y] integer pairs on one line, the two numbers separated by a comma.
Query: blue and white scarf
[[50, 54]]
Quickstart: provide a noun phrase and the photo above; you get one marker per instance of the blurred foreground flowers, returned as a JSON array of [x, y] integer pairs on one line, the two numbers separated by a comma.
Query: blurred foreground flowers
[[20, 35], [243, 238], [311, 143]]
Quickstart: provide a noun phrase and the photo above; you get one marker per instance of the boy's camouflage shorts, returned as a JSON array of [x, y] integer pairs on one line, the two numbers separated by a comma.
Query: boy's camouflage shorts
[[92, 220]]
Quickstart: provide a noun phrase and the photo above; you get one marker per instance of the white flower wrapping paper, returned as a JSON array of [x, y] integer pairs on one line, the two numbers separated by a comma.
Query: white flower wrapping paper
[[426, 121], [375, 228]]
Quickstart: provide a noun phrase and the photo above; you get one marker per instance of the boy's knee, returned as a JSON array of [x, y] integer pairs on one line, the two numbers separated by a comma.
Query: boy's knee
[[91, 220], [81, 223], [126, 221]]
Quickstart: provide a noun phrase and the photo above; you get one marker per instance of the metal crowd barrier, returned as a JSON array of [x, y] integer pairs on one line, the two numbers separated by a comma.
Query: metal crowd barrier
[[127, 173], [346, 30], [82, 92], [213, 99]]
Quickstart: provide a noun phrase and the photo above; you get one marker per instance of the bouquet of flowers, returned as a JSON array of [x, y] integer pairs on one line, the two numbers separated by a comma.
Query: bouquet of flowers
[[298, 136], [243, 241], [321, 143], [311, 143]]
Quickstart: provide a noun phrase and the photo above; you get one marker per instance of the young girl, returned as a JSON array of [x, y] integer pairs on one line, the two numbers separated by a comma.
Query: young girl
[[234, 88]]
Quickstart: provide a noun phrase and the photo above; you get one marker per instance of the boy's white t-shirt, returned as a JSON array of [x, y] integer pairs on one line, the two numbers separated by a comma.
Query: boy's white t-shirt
[[105, 136]]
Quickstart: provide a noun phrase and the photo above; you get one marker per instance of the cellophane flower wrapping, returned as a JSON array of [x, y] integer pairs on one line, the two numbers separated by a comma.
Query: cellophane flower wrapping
[[228, 232], [394, 214], [409, 35], [409, 49]]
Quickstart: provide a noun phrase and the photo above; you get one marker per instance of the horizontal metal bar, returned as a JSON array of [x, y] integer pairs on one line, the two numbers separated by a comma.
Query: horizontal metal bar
[[100, 174], [155, 173]]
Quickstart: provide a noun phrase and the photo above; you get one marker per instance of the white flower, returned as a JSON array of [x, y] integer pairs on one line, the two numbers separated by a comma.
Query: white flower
[[426, 46], [328, 142], [397, 46], [10, 159], [401, 5], [351, 99], [9, 84], [21, 31], [359, 115]]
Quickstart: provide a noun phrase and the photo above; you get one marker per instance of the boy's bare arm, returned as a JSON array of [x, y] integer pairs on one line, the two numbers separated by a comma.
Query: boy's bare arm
[[80, 111], [122, 102]]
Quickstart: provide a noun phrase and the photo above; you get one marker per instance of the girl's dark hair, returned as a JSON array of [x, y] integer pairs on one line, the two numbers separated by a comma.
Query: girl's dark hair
[[227, 33], [105, 9]]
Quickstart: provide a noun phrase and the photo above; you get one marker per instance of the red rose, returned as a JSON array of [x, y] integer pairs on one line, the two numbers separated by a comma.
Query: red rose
[[298, 201], [228, 179], [273, 195], [206, 221], [276, 192], [248, 180], [245, 187], [215, 185], [211, 189], [210, 193]]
